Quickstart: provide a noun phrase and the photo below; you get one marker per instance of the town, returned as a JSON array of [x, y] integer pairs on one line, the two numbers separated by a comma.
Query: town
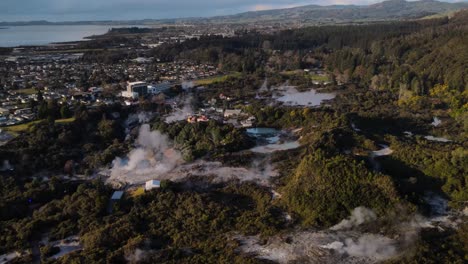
[[67, 80]]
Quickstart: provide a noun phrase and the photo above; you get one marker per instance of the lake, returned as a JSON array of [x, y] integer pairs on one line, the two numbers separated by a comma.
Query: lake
[[12, 36]]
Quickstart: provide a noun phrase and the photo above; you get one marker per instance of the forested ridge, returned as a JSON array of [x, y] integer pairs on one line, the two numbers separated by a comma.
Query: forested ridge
[[416, 54]]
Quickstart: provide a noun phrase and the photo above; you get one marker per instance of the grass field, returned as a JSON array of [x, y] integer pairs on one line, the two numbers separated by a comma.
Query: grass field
[[320, 78], [217, 79], [27, 91], [312, 76], [65, 121], [26, 126], [295, 72], [137, 192]]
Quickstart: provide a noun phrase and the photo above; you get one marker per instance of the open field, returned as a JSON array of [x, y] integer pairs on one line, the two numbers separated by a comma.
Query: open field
[[26, 126], [312, 76], [217, 79], [137, 192], [318, 77], [27, 91]]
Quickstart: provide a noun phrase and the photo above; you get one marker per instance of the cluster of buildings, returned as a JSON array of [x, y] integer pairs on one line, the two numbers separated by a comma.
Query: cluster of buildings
[[69, 78], [197, 119], [13, 117], [139, 89], [186, 70], [214, 109], [57, 74]]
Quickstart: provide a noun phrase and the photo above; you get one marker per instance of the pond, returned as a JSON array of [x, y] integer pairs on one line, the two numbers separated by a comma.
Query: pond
[[270, 140], [292, 97], [270, 135]]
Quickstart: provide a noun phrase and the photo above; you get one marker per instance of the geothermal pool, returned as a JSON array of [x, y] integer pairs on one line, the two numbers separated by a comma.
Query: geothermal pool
[[292, 97], [268, 140]]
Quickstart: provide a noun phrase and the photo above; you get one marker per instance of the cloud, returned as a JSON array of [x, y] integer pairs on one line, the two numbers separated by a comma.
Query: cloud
[[66, 10], [263, 7]]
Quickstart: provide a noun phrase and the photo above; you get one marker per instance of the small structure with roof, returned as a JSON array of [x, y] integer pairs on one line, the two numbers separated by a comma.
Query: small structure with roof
[[149, 185], [114, 201], [117, 195]]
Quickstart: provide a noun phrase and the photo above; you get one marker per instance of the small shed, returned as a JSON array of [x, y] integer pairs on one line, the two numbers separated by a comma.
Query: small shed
[[117, 195], [152, 185]]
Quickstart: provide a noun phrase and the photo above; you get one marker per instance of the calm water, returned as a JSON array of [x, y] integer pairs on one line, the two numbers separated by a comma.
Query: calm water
[[292, 97], [42, 35], [271, 135]]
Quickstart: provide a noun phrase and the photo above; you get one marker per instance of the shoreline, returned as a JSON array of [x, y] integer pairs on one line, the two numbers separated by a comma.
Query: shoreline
[[71, 42]]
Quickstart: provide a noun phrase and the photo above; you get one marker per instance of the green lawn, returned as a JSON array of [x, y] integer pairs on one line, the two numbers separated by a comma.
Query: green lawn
[[320, 78], [27, 91], [137, 192], [312, 76], [65, 121], [217, 79], [294, 72], [26, 126]]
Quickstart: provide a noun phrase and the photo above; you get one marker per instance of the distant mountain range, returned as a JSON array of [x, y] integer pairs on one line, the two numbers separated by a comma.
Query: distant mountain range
[[387, 10]]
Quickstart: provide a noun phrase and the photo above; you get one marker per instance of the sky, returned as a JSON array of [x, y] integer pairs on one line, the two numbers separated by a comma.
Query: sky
[[80, 10]]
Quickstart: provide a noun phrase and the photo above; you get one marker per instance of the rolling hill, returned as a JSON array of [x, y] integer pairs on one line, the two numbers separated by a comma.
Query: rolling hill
[[387, 10], [309, 14]]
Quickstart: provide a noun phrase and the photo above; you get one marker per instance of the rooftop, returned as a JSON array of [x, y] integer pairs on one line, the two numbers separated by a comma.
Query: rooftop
[[136, 83], [117, 195]]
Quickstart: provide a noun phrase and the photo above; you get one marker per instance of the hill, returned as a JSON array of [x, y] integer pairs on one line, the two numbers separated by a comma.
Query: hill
[[387, 10], [309, 14]]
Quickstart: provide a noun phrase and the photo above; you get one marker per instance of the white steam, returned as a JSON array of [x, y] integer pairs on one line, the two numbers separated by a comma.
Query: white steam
[[344, 243], [320, 247], [183, 112], [339, 244], [186, 85], [141, 117], [367, 246], [137, 256], [359, 215], [153, 155], [155, 158]]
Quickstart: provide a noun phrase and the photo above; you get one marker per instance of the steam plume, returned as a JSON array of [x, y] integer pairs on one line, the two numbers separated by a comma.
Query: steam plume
[[359, 216], [153, 155], [180, 114]]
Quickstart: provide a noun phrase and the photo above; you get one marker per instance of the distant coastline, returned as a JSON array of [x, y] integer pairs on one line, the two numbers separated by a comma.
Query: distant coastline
[[89, 23], [45, 35], [20, 36]]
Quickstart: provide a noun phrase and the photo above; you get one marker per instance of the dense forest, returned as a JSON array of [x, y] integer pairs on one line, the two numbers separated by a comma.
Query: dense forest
[[383, 56]]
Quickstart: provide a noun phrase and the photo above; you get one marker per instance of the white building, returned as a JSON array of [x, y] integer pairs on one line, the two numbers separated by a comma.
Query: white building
[[149, 185], [127, 94], [135, 90]]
